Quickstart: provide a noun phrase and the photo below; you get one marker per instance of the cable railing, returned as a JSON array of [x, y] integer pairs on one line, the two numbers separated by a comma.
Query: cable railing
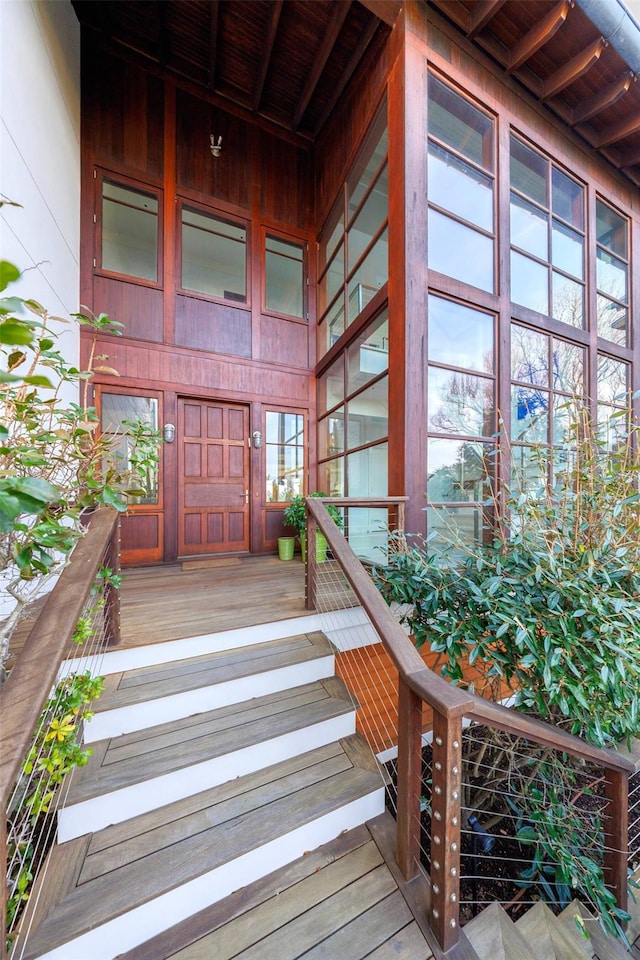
[[42, 704], [483, 795]]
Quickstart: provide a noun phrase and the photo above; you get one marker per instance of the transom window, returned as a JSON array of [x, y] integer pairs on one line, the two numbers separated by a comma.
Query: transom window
[[547, 237], [214, 255], [461, 235]]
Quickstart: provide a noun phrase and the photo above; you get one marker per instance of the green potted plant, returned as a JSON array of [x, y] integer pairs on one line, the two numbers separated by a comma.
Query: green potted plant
[[296, 516]]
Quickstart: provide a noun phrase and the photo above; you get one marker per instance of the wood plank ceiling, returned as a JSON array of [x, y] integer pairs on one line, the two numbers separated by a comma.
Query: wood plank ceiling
[[555, 51], [286, 63]]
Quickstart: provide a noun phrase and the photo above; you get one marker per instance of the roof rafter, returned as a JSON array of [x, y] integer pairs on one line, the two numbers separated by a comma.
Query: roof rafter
[[483, 12], [601, 100], [358, 52], [536, 38], [213, 43], [574, 69], [618, 131], [338, 17], [276, 10]]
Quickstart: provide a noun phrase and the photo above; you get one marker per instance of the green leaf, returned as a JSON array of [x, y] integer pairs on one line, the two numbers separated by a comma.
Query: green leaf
[[9, 273], [16, 333]]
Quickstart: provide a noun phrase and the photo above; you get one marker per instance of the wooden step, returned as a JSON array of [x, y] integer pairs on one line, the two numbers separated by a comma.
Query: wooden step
[[597, 942], [137, 772], [542, 930], [111, 891], [494, 937], [340, 898], [164, 692]]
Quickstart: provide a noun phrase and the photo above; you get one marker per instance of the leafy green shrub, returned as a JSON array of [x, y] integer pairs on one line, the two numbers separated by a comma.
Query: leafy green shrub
[[295, 514]]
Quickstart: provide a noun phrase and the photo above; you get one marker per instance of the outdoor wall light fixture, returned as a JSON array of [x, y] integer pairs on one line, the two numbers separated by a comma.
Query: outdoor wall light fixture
[[169, 432], [216, 145], [257, 439]]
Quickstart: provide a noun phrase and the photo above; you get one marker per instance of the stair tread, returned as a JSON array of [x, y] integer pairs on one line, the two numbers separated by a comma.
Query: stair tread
[[495, 937], [134, 865], [601, 945], [181, 676], [541, 928], [133, 758]]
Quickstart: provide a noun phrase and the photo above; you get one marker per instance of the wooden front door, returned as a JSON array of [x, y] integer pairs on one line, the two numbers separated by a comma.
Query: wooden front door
[[213, 477]]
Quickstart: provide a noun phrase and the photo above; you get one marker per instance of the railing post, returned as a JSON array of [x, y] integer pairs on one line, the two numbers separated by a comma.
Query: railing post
[[311, 579], [616, 834], [446, 767], [409, 779], [112, 594]]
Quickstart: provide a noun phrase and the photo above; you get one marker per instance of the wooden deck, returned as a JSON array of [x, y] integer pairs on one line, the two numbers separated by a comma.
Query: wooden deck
[[207, 596]]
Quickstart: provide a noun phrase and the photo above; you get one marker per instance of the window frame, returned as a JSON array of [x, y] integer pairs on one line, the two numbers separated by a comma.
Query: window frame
[[215, 213], [139, 186]]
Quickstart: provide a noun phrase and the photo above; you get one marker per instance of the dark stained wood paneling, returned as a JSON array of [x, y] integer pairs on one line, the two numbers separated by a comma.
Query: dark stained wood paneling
[[286, 183], [274, 527], [227, 177], [284, 341], [138, 308], [122, 113], [139, 531], [212, 326]]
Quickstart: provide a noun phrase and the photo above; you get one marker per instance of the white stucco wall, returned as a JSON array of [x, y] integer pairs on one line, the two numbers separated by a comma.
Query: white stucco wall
[[40, 153]]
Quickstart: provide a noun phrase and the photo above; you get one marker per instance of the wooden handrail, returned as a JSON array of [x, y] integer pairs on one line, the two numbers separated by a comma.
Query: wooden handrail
[[31, 680], [418, 683]]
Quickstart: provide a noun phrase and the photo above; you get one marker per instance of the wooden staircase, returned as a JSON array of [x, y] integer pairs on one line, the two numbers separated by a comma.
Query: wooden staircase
[[209, 773]]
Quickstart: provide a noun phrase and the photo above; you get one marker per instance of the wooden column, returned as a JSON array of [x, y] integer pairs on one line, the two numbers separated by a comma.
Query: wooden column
[[409, 780], [616, 834], [446, 773]]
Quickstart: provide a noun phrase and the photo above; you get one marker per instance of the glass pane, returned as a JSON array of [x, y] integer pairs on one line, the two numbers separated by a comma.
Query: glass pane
[[460, 336], [213, 256], [331, 434], [332, 280], [284, 268], [529, 283], [528, 467], [119, 411], [369, 220], [611, 229], [568, 368], [529, 356], [284, 428], [367, 533], [567, 250], [363, 172], [372, 274], [453, 525], [368, 355], [331, 477], [460, 403], [612, 321], [129, 232], [611, 275], [460, 188], [369, 415], [568, 300], [613, 381], [367, 472], [529, 228], [457, 123], [529, 415], [529, 172], [285, 472], [460, 252], [458, 472], [332, 233], [334, 323], [613, 426], [331, 386], [568, 198], [564, 414]]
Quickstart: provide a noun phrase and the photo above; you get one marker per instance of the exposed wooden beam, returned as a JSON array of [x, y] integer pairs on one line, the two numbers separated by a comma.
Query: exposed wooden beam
[[574, 69], [213, 43], [629, 157], [536, 38], [366, 37], [618, 131], [601, 100], [483, 11], [276, 10], [385, 10], [339, 15]]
